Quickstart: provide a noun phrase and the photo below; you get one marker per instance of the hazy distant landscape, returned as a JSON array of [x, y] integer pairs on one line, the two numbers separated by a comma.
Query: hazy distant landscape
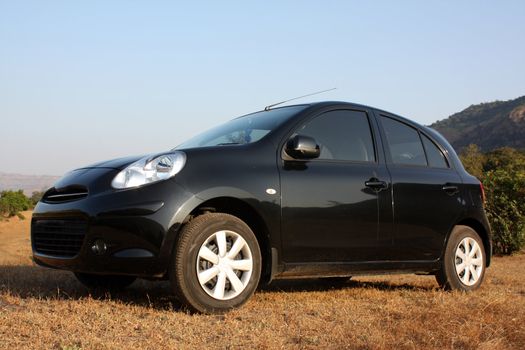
[[27, 183]]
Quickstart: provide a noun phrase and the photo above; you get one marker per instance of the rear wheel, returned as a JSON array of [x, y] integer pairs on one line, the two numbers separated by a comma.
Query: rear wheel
[[464, 261], [217, 263], [109, 282]]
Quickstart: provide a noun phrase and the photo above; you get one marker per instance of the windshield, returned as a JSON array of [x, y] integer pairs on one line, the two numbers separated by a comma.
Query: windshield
[[243, 130]]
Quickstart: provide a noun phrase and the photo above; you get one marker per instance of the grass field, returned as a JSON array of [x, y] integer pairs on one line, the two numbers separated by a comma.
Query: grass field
[[47, 309]]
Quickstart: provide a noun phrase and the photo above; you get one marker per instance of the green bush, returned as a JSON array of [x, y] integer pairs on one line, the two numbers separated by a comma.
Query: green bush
[[36, 196], [504, 211], [505, 158], [473, 160], [502, 172], [13, 202]]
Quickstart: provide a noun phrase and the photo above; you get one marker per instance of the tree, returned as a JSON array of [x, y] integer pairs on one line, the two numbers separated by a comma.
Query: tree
[[36, 196], [505, 158], [473, 160]]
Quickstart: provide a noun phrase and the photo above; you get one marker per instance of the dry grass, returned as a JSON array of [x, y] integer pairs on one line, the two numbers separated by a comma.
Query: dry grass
[[43, 309]]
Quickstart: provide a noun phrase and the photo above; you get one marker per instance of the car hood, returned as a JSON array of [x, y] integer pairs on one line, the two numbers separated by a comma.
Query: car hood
[[118, 163], [94, 177]]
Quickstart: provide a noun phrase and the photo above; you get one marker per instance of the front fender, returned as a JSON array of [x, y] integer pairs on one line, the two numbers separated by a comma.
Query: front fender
[[193, 201]]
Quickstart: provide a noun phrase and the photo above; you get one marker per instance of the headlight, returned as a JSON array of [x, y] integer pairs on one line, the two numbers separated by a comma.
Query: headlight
[[150, 169]]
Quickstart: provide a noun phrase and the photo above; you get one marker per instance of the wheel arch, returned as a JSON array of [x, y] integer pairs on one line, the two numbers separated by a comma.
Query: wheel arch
[[481, 231], [247, 213]]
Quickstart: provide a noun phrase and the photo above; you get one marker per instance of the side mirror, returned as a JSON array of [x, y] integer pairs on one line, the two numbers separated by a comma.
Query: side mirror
[[302, 147]]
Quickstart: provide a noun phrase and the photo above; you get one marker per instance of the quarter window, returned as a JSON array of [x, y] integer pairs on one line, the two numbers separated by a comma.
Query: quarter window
[[404, 143], [435, 157], [342, 135]]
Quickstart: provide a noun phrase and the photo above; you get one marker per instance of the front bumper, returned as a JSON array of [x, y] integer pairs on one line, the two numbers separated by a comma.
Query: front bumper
[[137, 226]]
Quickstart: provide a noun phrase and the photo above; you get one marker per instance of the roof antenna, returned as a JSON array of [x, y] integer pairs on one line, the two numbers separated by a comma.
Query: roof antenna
[[267, 108]]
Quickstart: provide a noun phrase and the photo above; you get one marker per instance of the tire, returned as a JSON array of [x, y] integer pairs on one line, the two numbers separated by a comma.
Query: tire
[[460, 271], [104, 282], [216, 264]]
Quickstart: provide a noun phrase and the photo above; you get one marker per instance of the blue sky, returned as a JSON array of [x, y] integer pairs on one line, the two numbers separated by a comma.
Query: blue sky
[[93, 80]]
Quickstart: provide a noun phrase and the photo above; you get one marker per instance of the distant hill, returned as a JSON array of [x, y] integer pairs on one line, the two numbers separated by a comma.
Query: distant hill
[[27, 183], [488, 125]]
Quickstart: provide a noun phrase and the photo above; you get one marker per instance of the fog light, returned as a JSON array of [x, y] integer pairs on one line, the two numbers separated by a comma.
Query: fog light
[[99, 247]]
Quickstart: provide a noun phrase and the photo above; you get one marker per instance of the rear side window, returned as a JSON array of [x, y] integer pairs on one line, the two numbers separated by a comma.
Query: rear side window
[[342, 135], [404, 143], [435, 157]]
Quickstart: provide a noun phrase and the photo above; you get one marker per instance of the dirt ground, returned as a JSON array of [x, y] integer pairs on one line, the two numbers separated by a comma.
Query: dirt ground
[[47, 309]]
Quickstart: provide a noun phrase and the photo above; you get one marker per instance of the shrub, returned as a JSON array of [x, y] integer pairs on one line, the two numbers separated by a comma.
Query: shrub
[[473, 160], [36, 196], [13, 202], [504, 211], [505, 158], [502, 172]]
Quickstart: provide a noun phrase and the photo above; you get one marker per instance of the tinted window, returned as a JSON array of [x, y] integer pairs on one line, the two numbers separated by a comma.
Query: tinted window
[[435, 157], [404, 143], [342, 135]]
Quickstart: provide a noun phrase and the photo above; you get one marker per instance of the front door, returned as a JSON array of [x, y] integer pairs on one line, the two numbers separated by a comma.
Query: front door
[[331, 205]]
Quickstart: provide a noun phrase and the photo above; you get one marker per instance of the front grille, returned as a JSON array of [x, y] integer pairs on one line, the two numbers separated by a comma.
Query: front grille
[[58, 237], [67, 194]]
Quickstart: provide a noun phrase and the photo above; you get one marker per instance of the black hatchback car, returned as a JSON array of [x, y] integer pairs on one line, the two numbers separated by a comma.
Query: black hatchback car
[[328, 189]]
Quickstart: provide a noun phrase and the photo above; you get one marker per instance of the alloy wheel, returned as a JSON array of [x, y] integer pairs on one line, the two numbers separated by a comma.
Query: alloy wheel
[[469, 261], [224, 265]]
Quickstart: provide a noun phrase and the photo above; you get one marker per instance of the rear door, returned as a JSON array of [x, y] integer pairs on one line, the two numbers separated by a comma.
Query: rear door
[[425, 188]]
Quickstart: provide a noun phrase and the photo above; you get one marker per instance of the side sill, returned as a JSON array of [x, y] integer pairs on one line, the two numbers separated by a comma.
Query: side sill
[[314, 270]]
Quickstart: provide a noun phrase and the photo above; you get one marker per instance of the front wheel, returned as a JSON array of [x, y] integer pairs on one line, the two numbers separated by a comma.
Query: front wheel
[[217, 263], [464, 261]]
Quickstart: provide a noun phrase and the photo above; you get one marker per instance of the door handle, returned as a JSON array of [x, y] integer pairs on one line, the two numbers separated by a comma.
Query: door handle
[[450, 189], [376, 184]]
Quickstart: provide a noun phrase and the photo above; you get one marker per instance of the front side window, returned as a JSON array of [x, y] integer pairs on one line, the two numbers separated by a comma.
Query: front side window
[[404, 143], [342, 135]]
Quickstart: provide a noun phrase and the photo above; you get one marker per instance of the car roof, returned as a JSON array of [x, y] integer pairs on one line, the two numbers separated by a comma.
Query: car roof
[[322, 104]]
